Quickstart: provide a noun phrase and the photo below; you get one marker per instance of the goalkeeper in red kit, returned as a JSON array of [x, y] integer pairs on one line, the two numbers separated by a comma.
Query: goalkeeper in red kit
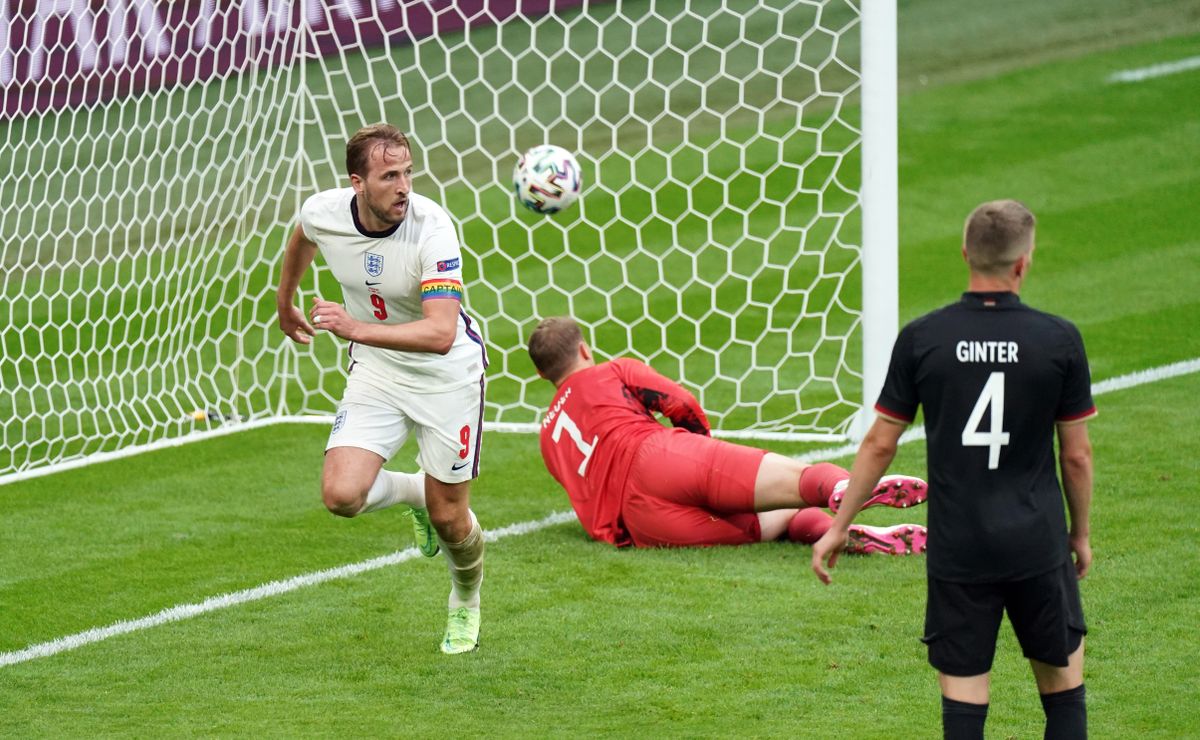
[[633, 481]]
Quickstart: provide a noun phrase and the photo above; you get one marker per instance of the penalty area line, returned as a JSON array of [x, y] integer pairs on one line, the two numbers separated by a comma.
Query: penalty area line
[[274, 588]]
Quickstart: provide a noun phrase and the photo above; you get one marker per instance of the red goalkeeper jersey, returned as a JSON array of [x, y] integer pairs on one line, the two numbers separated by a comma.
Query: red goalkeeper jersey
[[593, 430]]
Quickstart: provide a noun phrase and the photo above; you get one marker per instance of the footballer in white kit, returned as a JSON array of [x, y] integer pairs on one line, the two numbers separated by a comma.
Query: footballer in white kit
[[416, 359], [385, 276]]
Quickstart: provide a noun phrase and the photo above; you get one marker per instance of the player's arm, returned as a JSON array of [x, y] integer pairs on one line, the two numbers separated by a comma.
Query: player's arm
[[297, 256], [434, 332], [441, 294], [874, 456], [661, 394], [1075, 461], [1075, 449]]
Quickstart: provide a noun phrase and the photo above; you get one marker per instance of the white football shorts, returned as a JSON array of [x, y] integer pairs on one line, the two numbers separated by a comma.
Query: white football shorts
[[378, 417]]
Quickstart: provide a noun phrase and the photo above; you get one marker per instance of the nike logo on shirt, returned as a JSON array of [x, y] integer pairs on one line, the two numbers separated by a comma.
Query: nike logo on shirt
[[459, 466]]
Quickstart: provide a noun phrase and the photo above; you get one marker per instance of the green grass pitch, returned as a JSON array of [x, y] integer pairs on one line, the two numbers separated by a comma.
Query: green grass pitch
[[581, 640]]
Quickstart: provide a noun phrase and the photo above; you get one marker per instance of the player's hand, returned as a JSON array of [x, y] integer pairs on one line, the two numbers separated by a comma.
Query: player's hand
[[827, 549], [331, 317], [1083, 555], [293, 324]]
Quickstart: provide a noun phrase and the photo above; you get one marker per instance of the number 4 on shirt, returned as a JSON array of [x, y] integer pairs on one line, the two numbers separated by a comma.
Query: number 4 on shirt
[[565, 422], [995, 438]]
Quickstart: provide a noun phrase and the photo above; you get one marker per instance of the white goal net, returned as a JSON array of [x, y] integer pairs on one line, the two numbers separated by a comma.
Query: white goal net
[[158, 152]]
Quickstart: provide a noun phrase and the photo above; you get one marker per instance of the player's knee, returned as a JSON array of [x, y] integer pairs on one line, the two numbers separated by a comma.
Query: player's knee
[[452, 522], [1054, 679], [342, 499], [451, 525]]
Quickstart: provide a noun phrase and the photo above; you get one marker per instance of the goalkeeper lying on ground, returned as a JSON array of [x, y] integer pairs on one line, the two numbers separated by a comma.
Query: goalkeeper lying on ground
[[633, 481]]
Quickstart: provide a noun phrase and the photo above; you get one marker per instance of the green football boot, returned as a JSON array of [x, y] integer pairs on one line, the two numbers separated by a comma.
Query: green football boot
[[462, 631], [427, 541]]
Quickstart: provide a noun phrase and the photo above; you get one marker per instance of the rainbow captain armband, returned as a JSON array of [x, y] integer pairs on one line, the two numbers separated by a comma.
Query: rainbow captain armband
[[441, 288]]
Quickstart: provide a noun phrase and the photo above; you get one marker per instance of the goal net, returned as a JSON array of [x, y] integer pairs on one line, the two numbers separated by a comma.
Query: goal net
[[159, 152]]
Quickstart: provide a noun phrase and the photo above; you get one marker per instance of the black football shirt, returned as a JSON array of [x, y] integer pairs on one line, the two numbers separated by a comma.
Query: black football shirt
[[993, 376]]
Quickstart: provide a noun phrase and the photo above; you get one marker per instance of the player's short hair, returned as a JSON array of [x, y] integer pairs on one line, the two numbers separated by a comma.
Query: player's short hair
[[552, 346], [997, 234], [358, 148]]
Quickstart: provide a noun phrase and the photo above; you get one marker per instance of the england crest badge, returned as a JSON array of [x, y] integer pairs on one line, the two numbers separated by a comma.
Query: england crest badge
[[374, 264]]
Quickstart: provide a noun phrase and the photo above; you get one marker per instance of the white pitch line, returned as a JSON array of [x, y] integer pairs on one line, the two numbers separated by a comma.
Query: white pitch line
[[1155, 70], [1142, 377], [274, 588], [1119, 383]]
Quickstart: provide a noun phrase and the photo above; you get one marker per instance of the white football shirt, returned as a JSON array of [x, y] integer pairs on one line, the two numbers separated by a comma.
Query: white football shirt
[[385, 275]]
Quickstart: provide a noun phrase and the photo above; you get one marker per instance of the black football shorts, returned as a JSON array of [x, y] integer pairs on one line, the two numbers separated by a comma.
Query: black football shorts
[[962, 620]]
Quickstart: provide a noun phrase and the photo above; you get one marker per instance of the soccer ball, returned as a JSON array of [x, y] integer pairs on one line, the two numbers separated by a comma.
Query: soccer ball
[[547, 179]]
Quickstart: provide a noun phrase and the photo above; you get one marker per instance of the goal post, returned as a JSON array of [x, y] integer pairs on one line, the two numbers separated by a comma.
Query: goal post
[[737, 228], [880, 203]]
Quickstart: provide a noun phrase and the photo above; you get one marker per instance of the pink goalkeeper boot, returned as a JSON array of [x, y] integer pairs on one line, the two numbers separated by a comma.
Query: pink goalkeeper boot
[[897, 491], [901, 539]]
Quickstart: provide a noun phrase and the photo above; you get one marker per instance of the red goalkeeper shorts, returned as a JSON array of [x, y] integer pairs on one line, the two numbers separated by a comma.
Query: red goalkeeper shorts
[[688, 490]]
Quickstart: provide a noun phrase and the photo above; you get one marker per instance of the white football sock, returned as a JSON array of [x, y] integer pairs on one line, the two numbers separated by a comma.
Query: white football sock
[[391, 488], [465, 561]]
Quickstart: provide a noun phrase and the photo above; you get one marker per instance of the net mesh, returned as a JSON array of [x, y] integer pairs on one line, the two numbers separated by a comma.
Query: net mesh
[[160, 150]]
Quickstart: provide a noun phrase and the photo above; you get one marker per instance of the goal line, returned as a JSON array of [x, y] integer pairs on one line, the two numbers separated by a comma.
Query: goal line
[[1141, 377]]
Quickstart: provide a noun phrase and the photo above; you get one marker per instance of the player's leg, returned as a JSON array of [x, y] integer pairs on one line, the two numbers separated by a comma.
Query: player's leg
[[448, 434], [776, 523], [783, 482], [714, 475], [449, 508], [810, 524], [371, 418], [720, 476], [1064, 696], [665, 490], [965, 702], [346, 477], [656, 522], [353, 481], [698, 471], [721, 479], [1053, 679], [1047, 616], [462, 542], [962, 621]]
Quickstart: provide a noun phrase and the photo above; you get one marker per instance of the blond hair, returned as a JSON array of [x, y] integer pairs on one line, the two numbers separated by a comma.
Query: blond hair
[[997, 234]]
